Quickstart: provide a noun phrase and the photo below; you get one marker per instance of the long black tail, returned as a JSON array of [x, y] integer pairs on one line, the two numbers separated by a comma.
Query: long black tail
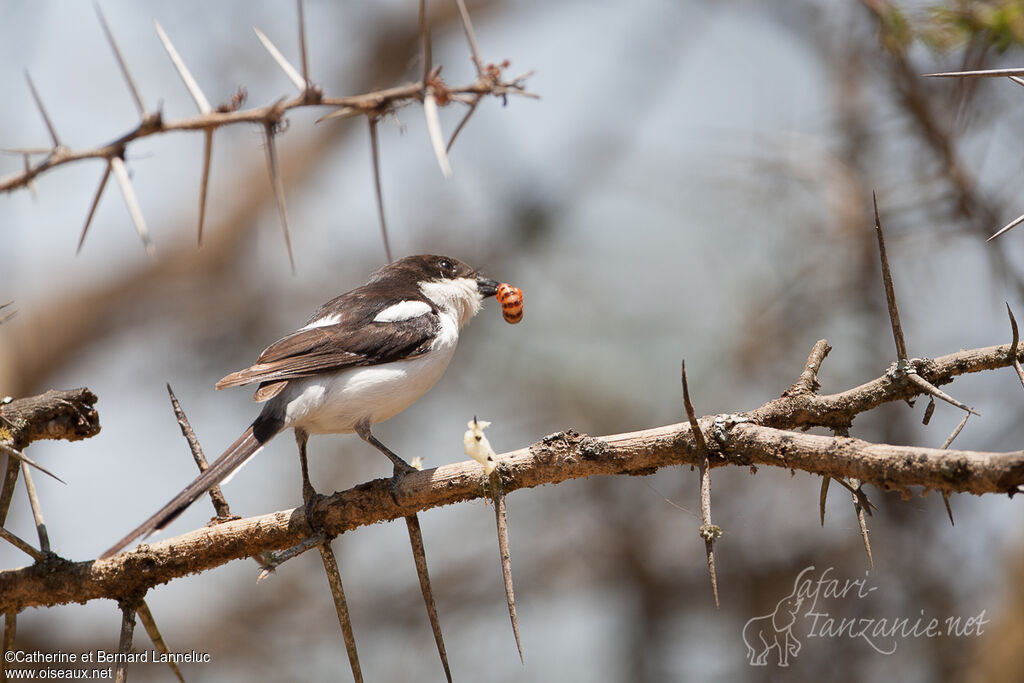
[[234, 457]]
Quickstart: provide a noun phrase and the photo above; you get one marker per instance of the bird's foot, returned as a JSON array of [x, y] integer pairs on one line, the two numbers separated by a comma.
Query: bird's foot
[[396, 479], [310, 501]]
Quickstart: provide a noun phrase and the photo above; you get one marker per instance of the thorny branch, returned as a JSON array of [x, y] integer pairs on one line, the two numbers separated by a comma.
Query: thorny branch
[[374, 103], [68, 415], [743, 439], [757, 437], [431, 91]]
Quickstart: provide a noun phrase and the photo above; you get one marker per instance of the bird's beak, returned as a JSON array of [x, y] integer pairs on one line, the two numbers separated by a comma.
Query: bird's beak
[[486, 287]]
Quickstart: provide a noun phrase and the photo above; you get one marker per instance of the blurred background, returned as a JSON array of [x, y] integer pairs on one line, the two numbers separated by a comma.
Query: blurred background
[[696, 182]]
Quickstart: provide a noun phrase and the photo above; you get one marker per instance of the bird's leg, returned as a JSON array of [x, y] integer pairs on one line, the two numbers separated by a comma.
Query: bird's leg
[[309, 494], [402, 468]]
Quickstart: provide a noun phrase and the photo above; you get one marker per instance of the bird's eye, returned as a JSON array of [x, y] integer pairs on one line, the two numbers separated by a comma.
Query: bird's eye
[[447, 267]]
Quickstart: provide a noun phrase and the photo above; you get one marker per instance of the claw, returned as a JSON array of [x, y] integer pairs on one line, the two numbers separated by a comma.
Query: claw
[[311, 500], [396, 479]]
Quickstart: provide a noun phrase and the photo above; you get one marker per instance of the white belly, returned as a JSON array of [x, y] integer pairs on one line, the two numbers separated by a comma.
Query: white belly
[[334, 403]]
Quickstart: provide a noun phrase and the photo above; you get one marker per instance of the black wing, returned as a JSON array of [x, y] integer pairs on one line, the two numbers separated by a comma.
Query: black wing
[[327, 348]]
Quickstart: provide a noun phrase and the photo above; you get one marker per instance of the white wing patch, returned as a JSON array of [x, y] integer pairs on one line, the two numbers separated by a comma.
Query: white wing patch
[[330, 319], [403, 310]]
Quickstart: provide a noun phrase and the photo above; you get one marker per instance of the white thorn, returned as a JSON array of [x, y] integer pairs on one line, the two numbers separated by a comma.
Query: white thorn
[[121, 172], [436, 138], [186, 76], [985, 73], [289, 70], [1012, 224]]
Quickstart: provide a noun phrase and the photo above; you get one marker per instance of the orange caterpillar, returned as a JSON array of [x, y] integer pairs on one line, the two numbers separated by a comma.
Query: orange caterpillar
[[511, 300]]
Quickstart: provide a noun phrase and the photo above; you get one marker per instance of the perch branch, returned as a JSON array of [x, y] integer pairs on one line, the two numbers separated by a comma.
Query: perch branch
[[556, 458], [758, 437]]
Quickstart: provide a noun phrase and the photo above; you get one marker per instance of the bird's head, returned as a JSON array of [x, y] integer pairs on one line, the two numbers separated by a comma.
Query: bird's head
[[448, 282]]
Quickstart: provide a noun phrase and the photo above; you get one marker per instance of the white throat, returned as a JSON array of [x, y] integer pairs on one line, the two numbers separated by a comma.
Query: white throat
[[459, 298]]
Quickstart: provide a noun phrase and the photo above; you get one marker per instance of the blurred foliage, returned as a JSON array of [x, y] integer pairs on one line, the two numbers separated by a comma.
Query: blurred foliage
[[998, 24]]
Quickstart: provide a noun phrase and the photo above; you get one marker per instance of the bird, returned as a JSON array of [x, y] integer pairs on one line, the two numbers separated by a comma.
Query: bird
[[362, 358]]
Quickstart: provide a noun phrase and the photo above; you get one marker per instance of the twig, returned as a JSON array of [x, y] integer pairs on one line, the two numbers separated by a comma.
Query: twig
[[375, 157], [890, 293], [216, 495], [37, 509], [807, 383], [420, 559], [341, 606], [269, 562], [146, 617]]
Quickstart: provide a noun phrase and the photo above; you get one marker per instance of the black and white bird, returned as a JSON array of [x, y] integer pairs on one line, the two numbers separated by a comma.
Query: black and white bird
[[362, 358]]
